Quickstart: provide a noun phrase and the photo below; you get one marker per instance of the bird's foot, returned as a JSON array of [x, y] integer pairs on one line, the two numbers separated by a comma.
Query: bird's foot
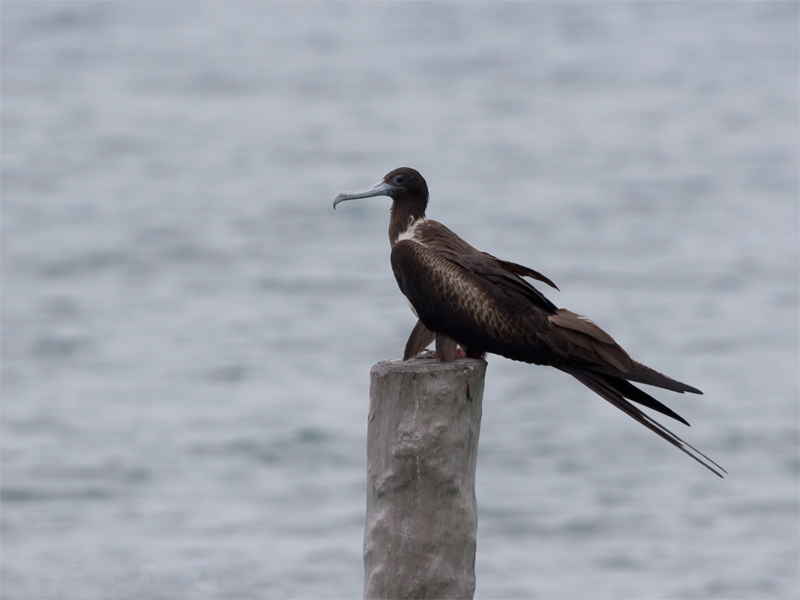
[[432, 353]]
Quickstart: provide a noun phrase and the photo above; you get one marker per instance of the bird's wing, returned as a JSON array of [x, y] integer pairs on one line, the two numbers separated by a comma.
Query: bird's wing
[[473, 308], [606, 356], [419, 339], [507, 276], [524, 271], [531, 327], [588, 342], [477, 301], [643, 374]]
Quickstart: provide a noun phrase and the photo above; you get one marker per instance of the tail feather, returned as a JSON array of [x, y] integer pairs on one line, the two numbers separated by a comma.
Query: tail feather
[[603, 387], [631, 392], [642, 374]]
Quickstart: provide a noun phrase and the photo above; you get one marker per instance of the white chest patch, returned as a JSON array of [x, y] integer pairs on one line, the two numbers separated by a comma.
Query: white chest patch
[[411, 231]]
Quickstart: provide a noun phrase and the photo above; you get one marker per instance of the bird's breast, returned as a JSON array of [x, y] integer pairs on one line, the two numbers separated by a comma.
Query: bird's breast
[[439, 290]]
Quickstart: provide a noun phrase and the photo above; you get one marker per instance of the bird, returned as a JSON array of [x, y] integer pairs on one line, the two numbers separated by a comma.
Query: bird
[[468, 298]]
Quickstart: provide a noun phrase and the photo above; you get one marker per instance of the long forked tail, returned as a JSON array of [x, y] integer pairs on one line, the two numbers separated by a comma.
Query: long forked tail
[[603, 386]]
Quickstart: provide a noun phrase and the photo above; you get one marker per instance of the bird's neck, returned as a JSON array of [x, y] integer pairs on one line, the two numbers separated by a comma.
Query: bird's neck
[[405, 217]]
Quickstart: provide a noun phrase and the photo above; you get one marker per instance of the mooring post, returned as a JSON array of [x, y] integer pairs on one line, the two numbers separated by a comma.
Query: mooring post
[[422, 447]]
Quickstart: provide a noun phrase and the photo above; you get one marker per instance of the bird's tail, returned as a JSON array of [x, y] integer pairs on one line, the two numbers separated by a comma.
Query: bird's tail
[[615, 390], [642, 374]]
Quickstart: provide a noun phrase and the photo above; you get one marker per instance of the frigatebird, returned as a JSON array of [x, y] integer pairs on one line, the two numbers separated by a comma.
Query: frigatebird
[[468, 298]]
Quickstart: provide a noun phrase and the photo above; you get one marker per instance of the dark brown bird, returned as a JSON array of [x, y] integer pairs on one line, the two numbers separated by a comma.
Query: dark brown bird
[[469, 298]]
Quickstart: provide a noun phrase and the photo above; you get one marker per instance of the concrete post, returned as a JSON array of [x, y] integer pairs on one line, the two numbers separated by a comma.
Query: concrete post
[[422, 446]]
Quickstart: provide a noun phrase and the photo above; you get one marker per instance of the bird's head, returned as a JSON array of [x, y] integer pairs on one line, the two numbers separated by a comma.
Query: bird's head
[[404, 186]]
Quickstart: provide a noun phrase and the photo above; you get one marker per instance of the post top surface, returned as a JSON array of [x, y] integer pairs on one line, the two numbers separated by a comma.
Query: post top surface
[[428, 365]]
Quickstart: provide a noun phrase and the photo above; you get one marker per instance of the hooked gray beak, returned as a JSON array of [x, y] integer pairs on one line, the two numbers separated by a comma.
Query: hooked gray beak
[[379, 189]]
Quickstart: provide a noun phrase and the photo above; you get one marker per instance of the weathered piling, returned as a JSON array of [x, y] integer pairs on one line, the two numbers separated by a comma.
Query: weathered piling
[[422, 446]]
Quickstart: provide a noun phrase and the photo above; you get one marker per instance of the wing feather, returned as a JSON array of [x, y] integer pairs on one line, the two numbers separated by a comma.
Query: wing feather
[[420, 338], [584, 333], [507, 276]]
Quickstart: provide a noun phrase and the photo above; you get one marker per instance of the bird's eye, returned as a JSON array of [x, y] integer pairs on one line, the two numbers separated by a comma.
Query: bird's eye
[[399, 179]]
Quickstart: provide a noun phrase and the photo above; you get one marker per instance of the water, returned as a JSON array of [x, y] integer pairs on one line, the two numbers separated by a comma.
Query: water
[[188, 326]]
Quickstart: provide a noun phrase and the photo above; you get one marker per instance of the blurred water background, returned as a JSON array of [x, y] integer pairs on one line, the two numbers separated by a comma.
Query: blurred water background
[[187, 326]]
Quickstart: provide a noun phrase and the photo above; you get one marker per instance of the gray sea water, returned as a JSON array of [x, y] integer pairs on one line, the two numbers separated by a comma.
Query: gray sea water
[[187, 326]]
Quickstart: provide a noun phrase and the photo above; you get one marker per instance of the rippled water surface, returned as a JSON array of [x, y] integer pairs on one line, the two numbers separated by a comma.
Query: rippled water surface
[[188, 327]]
